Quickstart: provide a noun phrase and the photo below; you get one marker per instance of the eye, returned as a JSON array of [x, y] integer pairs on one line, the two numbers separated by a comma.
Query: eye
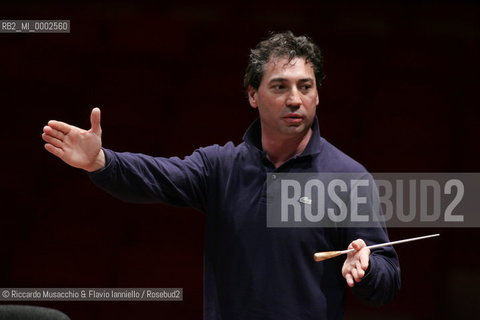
[[278, 87], [305, 87]]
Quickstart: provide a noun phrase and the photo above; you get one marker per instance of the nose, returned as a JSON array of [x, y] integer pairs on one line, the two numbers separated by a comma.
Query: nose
[[293, 99]]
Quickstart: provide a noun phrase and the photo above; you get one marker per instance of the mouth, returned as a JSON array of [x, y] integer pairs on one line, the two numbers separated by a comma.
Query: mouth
[[293, 118]]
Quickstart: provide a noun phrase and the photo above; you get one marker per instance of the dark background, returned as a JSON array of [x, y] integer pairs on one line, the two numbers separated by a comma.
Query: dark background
[[400, 96]]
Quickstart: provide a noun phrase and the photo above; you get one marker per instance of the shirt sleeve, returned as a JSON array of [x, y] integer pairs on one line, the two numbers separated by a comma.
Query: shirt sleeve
[[139, 178], [381, 282]]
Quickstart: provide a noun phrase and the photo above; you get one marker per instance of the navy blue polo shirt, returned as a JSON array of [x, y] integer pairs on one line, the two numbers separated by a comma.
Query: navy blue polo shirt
[[251, 271]]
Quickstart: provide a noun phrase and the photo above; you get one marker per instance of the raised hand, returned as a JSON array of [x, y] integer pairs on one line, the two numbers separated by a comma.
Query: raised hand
[[356, 263], [77, 147]]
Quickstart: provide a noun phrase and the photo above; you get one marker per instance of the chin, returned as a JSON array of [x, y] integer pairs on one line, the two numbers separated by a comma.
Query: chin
[[296, 129]]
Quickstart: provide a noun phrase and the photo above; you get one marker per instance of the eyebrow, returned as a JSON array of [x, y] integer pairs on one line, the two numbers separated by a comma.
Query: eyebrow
[[284, 79]]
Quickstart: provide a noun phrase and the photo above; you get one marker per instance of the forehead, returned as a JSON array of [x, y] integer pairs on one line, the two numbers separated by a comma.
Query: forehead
[[280, 67]]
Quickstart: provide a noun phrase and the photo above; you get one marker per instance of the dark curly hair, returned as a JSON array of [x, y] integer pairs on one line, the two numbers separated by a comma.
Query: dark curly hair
[[284, 44]]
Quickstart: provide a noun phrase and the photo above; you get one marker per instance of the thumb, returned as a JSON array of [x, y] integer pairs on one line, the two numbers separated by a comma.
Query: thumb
[[358, 244], [95, 121]]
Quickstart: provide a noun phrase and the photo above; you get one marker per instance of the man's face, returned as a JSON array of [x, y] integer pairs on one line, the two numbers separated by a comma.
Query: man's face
[[286, 98]]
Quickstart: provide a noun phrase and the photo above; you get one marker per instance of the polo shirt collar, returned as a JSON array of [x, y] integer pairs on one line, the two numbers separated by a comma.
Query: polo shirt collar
[[253, 137]]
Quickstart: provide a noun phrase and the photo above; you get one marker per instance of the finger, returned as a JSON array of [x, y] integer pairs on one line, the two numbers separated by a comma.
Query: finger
[[360, 275], [358, 244], [364, 259], [60, 126], [345, 269], [54, 150], [349, 279], [52, 140], [95, 121], [354, 273], [360, 271], [54, 133]]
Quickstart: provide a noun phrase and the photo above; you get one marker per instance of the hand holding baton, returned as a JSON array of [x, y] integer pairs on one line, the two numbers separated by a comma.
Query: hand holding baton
[[320, 256]]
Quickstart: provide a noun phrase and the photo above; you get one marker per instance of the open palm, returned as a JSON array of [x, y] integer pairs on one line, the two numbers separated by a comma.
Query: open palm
[[75, 146]]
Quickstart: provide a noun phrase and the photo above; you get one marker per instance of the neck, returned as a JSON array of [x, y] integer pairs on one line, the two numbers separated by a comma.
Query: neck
[[280, 150]]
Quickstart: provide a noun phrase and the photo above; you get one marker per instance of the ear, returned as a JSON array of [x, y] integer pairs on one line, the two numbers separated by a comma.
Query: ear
[[252, 96], [318, 101]]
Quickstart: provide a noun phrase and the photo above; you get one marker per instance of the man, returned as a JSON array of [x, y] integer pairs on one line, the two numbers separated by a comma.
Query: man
[[251, 271]]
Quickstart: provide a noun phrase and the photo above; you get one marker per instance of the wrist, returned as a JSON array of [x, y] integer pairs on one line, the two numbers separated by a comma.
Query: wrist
[[99, 162]]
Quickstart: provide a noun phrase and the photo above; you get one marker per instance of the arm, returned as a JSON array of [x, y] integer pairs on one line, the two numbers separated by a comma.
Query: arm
[[135, 177], [128, 176], [374, 276]]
